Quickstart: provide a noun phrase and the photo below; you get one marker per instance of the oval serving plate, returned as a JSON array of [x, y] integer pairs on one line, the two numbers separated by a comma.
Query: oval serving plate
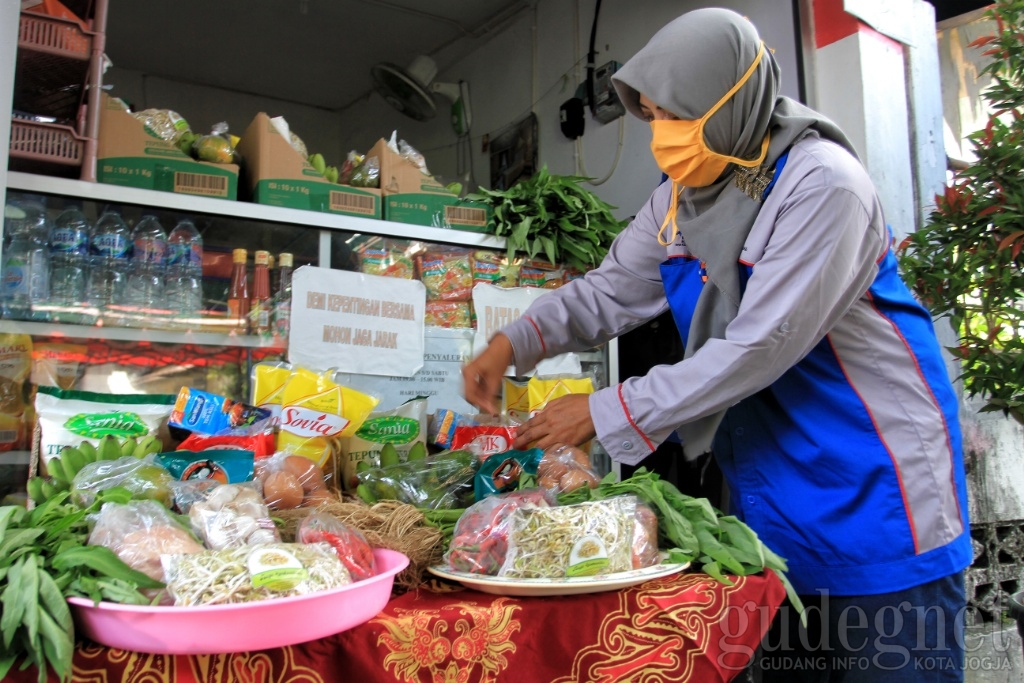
[[576, 585]]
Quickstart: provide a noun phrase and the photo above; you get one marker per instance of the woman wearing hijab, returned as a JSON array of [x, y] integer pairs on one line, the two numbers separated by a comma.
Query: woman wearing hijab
[[810, 372]]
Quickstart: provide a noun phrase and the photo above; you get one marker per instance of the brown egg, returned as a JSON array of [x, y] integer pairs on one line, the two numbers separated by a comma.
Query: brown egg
[[551, 466], [306, 472], [574, 479], [282, 491]]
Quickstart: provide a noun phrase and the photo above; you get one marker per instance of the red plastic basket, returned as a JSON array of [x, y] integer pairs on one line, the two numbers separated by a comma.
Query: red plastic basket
[[47, 143], [53, 35]]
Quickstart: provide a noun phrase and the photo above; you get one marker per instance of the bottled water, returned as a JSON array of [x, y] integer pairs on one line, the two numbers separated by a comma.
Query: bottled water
[[109, 249], [146, 277], [69, 260], [184, 288], [25, 269]]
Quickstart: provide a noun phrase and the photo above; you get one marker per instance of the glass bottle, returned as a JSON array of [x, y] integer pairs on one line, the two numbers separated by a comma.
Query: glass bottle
[[283, 304], [259, 311], [238, 294]]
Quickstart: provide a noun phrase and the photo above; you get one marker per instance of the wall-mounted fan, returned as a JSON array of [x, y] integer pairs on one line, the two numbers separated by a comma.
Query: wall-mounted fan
[[411, 90]]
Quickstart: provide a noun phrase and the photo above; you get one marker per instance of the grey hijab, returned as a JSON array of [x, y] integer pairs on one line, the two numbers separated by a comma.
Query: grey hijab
[[688, 66]]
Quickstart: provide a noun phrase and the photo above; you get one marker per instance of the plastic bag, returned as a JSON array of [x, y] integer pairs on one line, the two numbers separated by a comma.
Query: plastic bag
[[139, 532], [261, 445], [366, 174], [290, 481], [167, 124], [480, 538], [353, 161], [389, 257], [216, 147], [211, 414], [268, 379], [253, 572], [144, 479], [447, 273], [449, 314], [402, 427], [442, 425], [221, 465], [565, 468], [348, 542], [645, 537], [233, 515], [439, 482], [586, 539]]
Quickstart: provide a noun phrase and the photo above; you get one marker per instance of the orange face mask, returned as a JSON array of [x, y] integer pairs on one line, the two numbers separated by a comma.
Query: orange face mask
[[680, 151]]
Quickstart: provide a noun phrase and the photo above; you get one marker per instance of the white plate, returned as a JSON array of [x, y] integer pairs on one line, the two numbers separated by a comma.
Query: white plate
[[568, 586]]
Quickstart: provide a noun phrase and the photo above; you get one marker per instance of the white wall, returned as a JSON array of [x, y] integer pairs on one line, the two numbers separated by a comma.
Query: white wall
[[501, 78]]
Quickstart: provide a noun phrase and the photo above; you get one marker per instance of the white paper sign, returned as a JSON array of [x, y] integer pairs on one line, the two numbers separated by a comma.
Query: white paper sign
[[356, 323], [440, 378], [496, 307]]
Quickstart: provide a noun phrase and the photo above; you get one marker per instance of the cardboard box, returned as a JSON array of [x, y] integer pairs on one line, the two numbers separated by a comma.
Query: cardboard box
[[129, 154], [277, 175], [411, 196]]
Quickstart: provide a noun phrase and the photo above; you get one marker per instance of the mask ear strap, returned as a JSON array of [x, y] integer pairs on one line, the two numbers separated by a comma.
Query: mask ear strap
[[670, 217], [739, 84]]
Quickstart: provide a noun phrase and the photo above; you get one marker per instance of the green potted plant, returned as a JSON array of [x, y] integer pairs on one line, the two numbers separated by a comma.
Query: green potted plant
[[967, 262]]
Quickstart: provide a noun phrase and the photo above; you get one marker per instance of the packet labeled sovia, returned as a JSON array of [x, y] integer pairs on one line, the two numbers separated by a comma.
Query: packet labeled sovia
[[268, 381], [206, 413], [315, 409]]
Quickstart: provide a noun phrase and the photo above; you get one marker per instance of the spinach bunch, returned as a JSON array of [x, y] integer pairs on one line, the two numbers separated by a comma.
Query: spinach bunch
[[553, 215]]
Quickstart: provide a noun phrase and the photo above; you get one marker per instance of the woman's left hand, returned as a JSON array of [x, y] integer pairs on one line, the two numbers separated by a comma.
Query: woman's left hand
[[564, 420]]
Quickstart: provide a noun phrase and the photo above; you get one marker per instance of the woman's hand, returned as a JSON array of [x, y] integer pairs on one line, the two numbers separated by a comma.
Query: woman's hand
[[564, 420], [481, 378]]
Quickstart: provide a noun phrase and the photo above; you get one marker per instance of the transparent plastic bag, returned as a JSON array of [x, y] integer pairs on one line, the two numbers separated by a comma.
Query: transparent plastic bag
[[366, 174], [216, 147], [168, 124], [139, 532], [645, 537], [232, 515], [253, 572], [290, 481], [438, 482], [348, 542], [480, 538], [586, 539], [565, 468], [144, 479]]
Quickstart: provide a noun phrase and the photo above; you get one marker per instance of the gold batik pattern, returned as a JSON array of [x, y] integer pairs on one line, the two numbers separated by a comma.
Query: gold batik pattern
[[472, 649]]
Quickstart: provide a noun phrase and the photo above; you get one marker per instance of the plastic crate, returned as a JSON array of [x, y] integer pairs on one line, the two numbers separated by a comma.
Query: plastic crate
[[53, 64], [46, 143]]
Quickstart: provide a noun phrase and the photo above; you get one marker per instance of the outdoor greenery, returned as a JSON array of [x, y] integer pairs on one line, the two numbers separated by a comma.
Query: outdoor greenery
[[554, 216], [966, 263]]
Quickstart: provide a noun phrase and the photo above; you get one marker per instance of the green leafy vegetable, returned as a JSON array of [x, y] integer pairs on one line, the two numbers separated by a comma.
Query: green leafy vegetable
[[553, 216], [694, 531], [43, 560]]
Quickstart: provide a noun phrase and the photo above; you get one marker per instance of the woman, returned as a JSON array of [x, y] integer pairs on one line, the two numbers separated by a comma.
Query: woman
[[810, 372]]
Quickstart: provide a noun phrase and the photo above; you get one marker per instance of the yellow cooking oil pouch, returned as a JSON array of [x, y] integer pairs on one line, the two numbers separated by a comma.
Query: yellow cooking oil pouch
[[315, 409], [540, 392], [515, 400], [268, 381]]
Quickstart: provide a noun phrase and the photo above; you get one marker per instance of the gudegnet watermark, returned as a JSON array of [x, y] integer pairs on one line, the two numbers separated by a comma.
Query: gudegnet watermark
[[891, 638]]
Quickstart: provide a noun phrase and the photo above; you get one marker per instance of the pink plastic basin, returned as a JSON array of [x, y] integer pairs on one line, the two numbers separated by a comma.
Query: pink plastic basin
[[214, 629]]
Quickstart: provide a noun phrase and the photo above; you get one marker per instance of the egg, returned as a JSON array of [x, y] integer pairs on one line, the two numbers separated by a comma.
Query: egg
[[306, 472], [282, 491]]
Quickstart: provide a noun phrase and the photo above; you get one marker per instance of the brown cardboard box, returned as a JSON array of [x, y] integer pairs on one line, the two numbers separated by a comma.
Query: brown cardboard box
[[277, 175], [411, 196], [130, 154]]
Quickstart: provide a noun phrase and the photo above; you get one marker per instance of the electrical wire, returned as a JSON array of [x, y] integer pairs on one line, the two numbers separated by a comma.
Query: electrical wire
[[615, 163]]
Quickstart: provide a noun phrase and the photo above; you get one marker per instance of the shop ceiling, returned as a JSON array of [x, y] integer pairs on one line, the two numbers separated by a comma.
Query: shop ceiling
[[314, 52]]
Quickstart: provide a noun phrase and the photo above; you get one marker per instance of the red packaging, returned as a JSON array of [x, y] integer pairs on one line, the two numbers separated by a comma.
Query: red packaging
[[261, 445], [484, 440]]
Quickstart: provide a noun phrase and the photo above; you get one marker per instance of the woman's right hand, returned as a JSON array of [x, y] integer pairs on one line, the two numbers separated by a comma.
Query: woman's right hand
[[481, 378]]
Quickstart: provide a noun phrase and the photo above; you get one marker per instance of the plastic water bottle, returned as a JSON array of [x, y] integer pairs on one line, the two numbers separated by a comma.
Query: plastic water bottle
[[110, 251], [69, 261], [25, 269], [184, 288], [146, 278]]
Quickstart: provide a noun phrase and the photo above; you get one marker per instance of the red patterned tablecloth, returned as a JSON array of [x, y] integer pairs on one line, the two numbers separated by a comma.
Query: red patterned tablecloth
[[686, 627]]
